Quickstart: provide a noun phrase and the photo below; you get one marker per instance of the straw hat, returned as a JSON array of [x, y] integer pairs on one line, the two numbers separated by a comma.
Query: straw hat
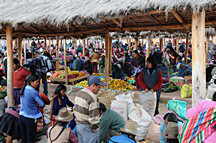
[[64, 115]]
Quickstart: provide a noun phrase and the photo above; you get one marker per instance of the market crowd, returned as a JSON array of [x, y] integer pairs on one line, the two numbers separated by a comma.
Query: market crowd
[[85, 120]]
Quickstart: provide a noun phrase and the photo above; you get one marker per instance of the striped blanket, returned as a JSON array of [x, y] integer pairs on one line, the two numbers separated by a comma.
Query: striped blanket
[[198, 128]]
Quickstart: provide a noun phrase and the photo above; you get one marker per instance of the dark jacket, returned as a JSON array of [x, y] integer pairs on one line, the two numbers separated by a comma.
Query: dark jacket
[[59, 103], [141, 85]]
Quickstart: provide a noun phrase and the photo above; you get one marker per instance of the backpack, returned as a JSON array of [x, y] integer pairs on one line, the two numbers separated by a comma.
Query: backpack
[[121, 139]]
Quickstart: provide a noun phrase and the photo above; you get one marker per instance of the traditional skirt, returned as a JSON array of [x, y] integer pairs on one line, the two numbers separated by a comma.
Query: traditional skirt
[[9, 124]]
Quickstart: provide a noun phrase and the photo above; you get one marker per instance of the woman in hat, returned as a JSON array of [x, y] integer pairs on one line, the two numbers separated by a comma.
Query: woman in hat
[[60, 100], [59, 133]]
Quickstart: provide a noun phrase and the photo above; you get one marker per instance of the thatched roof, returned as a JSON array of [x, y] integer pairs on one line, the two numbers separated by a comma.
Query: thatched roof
[[96, 16]]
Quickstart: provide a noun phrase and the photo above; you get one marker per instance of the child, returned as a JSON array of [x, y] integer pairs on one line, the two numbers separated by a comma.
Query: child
[[169, 130]]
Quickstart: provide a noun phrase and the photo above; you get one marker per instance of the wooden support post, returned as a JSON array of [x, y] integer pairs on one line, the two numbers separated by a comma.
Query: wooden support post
[[161, 44], [65, 64], [187, 48], [108, 56], [9, 66], [45, 41], [20, 50], [149, 46], [25, 47], [198, 57], [136, 43], [84, 46], [175, 43]]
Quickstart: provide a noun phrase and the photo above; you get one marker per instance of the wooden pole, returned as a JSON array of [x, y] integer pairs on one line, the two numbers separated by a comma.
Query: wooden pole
[[20, 50], [108, 56], [187, 47], [148, 50], [84, 46], [198, 57], [161, 44], [136, 43], [57, 47], [65, 64], [9, 66]]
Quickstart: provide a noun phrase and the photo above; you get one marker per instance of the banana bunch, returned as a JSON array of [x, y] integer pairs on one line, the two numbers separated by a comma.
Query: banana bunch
[[117, 84], [83, 83], [114, 84]]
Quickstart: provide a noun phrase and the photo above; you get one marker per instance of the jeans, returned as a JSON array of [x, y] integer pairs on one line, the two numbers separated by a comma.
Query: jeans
[[28, 129], [86, 135]]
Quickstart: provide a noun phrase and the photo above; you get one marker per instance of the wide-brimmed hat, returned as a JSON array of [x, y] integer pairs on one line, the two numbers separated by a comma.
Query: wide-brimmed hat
[[64, 115]]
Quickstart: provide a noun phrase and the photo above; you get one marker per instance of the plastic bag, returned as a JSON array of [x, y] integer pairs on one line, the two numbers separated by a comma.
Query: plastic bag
[[147, 100], [121, 139], [121, 107], [178, 106], [141, 117], [186, 91]]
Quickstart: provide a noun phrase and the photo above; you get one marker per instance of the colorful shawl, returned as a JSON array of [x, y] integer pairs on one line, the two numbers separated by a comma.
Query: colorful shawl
[[198, 128]]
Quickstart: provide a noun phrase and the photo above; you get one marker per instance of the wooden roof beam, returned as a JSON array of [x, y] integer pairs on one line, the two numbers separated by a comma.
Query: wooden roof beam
[[179, 18], [118, 22], [103, 30], [154, 19]]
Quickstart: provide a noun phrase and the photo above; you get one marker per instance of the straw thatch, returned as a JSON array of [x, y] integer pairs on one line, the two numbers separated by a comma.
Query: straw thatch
[[73, 16]]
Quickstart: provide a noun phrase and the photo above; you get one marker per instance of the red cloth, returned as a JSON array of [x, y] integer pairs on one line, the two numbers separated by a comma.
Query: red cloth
[[19, 77], [45, 98], [142, 86]]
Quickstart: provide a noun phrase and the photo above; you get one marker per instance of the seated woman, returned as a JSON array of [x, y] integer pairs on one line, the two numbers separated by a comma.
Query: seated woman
[[59, 133], [60, 101], [110, 123], [169, 129]]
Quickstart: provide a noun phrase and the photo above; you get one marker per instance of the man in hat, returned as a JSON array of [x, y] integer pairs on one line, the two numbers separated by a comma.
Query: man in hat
[[86, 111]]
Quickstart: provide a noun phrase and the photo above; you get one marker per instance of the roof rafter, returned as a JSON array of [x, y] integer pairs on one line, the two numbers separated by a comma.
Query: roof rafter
[[179, 18]]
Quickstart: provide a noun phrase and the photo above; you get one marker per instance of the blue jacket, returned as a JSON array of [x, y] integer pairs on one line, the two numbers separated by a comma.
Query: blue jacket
[[30, 103]]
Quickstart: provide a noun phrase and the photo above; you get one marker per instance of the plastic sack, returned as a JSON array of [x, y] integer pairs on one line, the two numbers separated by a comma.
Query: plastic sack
[[178, 106], [186, 91], [141, 117], [147, 100], [121, 107]]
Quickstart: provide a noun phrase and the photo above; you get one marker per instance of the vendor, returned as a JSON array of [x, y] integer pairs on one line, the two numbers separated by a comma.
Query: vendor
[[86, 111], [110, 123], [60, 101], [20, 74], [150, 79]]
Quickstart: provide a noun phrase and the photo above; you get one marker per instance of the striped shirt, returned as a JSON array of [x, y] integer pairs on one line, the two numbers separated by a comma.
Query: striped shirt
[[86, 107]]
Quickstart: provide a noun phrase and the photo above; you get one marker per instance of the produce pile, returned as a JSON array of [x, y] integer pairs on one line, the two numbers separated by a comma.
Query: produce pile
[[114, 84], [60, 75], [171, 87], [3, 92]]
